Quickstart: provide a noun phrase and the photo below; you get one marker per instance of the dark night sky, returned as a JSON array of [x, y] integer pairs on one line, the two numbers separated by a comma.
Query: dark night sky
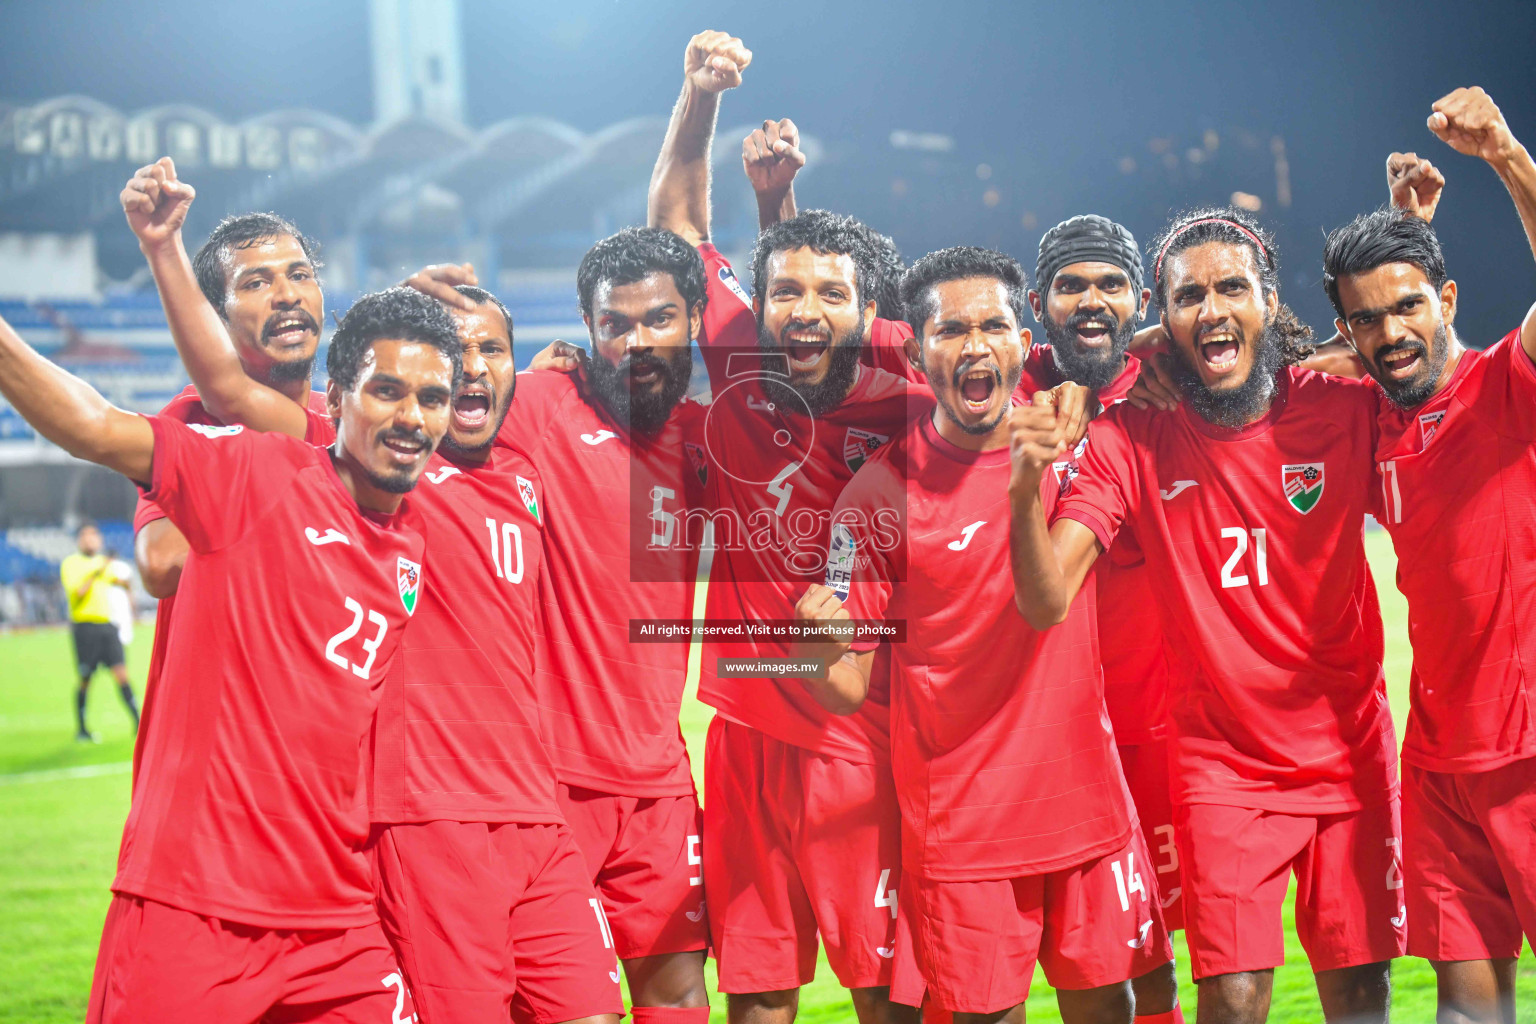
[[1052, 98]]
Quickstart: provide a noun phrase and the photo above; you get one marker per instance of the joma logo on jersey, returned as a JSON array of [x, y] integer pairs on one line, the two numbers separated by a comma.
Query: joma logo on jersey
[[408, 574], [1303, 485], [530, 502], [859, 445], [1429, 422]]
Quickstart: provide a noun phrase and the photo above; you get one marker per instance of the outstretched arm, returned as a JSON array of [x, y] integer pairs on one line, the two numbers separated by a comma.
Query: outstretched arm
[[72, 414], [1049, 564], [156, 202], [1470, 122], [771, 157], [679, 195]]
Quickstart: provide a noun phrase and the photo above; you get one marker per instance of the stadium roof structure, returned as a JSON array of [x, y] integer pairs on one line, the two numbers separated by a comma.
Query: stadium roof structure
[[529, 191]]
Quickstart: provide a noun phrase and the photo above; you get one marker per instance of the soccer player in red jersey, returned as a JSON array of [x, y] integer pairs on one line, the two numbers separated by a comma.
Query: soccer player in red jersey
[[621, 453], [1457, 458], [1018, 838], [1248, 505], [481, 887], [243, 890], [802, 830]]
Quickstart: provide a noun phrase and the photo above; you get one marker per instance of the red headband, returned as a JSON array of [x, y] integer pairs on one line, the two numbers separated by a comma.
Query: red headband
[[1157, 268]]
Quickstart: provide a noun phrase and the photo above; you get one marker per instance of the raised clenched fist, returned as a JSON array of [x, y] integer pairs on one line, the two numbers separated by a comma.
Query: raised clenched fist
[[771, 156], [1470, 122], [714, 61], [1415, 184], [1035, 440], [156, 202]]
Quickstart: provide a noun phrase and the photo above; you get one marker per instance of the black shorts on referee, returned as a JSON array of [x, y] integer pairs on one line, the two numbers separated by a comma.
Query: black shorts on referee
[[97, 645]]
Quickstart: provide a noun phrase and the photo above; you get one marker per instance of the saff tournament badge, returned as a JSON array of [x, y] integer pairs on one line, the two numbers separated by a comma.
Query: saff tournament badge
[[840, 556], [530, 501], [408, 574], [1303, 485], [859, 445]]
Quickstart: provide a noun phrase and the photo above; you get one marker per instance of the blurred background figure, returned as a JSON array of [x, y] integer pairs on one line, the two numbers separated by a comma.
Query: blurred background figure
[[96, 585]]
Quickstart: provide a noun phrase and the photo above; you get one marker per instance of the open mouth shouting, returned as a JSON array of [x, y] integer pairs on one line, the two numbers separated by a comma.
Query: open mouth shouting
[[1094, 332], [1218, 349], [647, 371], [289, 329], [472, 405], [977, 385], [405, 447], [806, 346], [1401, 361]]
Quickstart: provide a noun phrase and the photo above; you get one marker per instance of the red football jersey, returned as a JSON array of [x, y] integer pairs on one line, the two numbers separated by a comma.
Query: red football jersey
[[620, 545], [188, 408], [253, 803], [457, 736], [1255, 542], [1004, 757], [1458, 477], [1130, 635], [776, 475]]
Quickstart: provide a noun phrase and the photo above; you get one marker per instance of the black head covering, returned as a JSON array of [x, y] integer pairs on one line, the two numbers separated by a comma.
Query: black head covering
[[1088, 238]]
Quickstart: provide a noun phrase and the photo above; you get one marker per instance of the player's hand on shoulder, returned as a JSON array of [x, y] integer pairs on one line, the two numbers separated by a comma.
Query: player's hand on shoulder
[[560, 356], [1415, 184], [1035, 440], [441, 282], [1470, 122], [714, 61], [156, 202], [771, 155], [1155, 387]]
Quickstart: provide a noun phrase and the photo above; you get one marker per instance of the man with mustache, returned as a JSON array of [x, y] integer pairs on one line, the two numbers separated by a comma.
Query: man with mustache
[[481, 887], [243, 890], [1457, 457], [802, 832], [1247, 504], [620, 450], [1041, 861]]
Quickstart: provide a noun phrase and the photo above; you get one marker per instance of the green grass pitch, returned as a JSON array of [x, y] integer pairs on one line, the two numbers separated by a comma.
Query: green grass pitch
[[62, 807]]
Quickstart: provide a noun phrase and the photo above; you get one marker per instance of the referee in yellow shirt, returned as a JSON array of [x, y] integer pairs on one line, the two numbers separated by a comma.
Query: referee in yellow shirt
[[88, 579]]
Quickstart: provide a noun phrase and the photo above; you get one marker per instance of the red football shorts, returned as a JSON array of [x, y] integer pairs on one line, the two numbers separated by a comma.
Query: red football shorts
[[976, 943], [160, 964], [796, 842], [1237, 865], [1470, 861], [487, 917], [643, 855], [1146, 774]]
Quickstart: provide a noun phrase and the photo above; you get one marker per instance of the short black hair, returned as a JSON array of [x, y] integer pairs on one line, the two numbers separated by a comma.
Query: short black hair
[[824, 233], [395, 314], [88, 524], [1387, 235], [481, 297], [958, 263], [632, 255], [886, 268], [242, 231], [1214, 224]]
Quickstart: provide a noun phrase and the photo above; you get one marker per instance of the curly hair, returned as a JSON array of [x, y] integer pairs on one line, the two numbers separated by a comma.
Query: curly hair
[[824, 233], [242, 231], [632, 255], [394, 314], [1231, 226], [958, 263]]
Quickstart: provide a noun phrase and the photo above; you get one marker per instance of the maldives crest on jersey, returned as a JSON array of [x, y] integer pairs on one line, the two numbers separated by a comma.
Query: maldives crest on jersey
[[728, 278], [1429, 423], [840, 555], [859, 445], [698, 460], [1303, 485], [408, 574], [530, 501]]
